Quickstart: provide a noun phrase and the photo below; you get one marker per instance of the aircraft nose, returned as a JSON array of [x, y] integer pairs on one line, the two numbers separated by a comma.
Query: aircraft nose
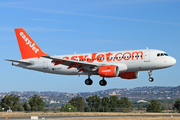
[[173, 61]]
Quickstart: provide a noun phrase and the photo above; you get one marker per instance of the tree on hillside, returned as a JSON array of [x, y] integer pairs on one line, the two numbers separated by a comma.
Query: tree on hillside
[[154, 106], [11, 101], [105, 104], [78, 102], [26, 107], [94, 103], [177, 105], [68, 108], [36, 103], [113, 103], [124, 103]]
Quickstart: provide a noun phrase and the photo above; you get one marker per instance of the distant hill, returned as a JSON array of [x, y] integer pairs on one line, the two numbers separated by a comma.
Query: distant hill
[[175, 88], [138, 93]]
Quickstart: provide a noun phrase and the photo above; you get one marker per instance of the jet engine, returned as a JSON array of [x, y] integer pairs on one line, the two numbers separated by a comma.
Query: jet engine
[[108, 71]]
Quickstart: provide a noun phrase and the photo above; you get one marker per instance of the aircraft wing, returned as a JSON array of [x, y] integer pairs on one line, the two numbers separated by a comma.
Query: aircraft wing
[[24, 62], [81, 66]]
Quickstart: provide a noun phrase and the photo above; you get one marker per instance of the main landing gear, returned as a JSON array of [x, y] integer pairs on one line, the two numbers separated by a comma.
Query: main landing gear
[[89, 81], [150, 78], [101, 82]]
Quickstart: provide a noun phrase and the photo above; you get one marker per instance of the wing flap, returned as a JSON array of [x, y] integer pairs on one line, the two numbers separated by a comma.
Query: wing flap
[[66, 61], [81, 66]]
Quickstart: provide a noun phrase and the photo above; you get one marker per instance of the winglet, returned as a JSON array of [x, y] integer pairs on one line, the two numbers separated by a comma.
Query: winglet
[[27, 46]]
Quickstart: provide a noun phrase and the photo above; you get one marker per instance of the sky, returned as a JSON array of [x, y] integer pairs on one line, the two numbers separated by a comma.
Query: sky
[[62, 27]]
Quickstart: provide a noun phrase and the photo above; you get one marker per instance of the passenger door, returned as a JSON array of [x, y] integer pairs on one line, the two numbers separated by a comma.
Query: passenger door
[[147, 56]]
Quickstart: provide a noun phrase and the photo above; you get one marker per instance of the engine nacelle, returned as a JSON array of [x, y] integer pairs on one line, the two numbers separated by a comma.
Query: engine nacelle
[[108, 71], [129, 75]]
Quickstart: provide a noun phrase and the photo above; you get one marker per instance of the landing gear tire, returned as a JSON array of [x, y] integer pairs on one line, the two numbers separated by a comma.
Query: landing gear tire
[[88, 81], [103, 82], [151, 79]]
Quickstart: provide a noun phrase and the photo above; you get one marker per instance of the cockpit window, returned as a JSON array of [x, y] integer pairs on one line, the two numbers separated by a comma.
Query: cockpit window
[[165, 54], [162, 54]]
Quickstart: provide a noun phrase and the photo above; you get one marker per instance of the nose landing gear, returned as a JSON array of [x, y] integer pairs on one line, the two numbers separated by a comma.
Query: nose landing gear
[[150, 78]]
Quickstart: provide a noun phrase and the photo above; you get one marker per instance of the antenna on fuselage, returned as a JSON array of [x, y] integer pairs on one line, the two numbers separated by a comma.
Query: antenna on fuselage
[[146, 47]]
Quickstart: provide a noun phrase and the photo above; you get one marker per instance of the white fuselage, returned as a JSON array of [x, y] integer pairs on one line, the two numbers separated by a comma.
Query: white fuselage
[[135, 60]]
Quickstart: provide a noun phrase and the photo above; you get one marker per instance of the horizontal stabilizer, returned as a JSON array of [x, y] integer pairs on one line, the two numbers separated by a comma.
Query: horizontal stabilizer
[[24, 62]]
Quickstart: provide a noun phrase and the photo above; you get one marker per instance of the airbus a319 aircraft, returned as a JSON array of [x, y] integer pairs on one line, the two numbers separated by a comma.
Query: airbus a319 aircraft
[[124, 64]]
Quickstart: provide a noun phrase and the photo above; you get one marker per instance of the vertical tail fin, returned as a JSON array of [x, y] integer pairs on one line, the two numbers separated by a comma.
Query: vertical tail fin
[[28, 48]]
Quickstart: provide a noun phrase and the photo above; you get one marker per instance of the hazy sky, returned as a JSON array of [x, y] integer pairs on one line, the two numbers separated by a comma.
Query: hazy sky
[[82, 26]]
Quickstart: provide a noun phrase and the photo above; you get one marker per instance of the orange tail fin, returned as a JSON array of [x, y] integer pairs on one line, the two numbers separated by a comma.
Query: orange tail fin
[[27, 46]]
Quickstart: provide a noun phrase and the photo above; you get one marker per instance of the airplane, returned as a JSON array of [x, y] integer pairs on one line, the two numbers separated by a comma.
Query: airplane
[[123, 64]]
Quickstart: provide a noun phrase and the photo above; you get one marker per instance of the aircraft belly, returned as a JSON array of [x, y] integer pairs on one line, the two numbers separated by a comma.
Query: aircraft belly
[[139, 66]]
